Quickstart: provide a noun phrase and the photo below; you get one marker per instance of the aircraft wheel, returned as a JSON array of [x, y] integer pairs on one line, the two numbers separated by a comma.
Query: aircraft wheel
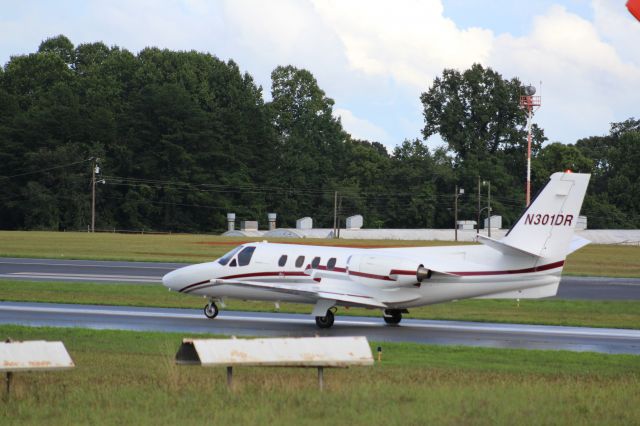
[[325, 321], [392, 316], [211, 310]]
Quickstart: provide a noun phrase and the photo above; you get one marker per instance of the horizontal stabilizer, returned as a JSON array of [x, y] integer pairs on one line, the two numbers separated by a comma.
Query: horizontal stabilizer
[[504, 248], [577, 243]]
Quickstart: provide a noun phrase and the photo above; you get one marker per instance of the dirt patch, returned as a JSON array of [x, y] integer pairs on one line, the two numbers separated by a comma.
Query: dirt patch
[[314, 243], [174, 255], [222, 243]]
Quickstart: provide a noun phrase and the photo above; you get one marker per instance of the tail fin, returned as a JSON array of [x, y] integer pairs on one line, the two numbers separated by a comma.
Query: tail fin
[[546, 227]]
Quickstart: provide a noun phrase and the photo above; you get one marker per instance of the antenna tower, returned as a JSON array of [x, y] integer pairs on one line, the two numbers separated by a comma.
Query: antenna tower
[[530, 103]]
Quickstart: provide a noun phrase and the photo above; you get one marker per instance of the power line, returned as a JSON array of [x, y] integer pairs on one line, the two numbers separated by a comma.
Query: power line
[[45, 170]]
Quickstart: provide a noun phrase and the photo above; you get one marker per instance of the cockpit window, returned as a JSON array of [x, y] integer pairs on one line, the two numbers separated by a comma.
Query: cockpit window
[[227, 257], [245, 256]]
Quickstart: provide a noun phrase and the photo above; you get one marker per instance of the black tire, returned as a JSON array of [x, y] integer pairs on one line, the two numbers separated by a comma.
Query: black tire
[[325, 321], [392, 317], [211, 310]]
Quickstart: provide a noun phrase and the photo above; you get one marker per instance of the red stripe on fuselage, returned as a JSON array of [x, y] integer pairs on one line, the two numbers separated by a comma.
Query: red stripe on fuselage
[[512, 271], [402, 272], [192, 285]]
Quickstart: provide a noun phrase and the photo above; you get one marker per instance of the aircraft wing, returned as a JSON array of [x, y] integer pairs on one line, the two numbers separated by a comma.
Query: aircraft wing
[[314, 291]]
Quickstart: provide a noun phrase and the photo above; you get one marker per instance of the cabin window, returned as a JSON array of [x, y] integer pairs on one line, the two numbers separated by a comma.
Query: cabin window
[[315, 262], [233, 263], [244, 257], [331, 263], [299, 261], [283, 260], [227, 257]]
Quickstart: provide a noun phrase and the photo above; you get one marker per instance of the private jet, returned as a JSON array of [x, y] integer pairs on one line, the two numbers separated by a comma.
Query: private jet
[[526, 263]]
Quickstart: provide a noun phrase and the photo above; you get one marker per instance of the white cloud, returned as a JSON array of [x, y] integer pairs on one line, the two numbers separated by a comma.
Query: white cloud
[[586, 83], [361, 128], [614, 22], [409, 40], [588, 68]]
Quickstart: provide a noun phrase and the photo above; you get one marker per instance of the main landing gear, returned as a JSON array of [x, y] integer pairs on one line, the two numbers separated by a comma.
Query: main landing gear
[[211, 310], [327, 320], [393, 316]]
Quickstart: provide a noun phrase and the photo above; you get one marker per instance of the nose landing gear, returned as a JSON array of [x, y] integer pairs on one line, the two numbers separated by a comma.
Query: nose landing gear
[[211, 310]]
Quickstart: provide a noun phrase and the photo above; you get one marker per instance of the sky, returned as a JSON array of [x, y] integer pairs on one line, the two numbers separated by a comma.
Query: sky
[[374, 58]]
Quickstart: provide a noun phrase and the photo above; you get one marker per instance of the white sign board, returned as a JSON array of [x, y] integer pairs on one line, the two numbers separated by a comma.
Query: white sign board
[[289, 352], [34, 355]]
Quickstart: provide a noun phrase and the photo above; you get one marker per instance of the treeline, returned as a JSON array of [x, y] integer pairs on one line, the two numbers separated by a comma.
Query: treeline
[[182, 138]]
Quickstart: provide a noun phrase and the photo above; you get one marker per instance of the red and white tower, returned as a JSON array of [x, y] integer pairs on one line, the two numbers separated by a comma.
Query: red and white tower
[[531, 104]]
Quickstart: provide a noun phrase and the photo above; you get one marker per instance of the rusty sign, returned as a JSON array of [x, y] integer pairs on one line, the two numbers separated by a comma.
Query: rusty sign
[[284, 352], [33, 355]]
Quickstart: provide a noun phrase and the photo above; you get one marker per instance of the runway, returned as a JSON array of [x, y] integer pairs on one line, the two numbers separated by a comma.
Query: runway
[[274, 324], [594, 288]]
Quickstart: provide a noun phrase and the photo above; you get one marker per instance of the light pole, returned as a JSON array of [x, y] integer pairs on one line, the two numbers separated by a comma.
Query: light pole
[[488, 183], [530, 103], [95, 169], [455, 209]]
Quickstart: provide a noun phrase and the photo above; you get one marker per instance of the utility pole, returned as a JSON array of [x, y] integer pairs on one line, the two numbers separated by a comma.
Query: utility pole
[[455, 214], [489, 206], [455, 209], [95, 169], [335, 213], [93, 194], [478, 222]]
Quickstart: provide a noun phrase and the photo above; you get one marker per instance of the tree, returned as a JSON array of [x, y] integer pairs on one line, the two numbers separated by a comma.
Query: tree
[[476, 112], [60, 46], [557, 157], [184, 137], [613, 199], [311, 143]]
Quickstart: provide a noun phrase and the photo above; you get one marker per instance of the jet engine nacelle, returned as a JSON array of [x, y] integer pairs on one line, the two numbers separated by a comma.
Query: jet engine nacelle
[[392, 271]]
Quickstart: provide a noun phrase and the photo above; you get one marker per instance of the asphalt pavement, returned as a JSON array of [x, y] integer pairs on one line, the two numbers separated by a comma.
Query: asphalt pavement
[[294, 325]]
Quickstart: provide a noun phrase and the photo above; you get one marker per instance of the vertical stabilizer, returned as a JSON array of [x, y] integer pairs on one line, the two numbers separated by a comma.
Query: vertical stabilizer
[[546, 227]]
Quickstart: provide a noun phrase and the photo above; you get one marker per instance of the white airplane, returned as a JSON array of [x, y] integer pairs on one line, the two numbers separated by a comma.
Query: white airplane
[[526, 263]]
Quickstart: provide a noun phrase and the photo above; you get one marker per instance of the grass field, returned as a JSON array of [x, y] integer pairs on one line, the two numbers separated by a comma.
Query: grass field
[[615, 314], [595, 260], [130, 378]]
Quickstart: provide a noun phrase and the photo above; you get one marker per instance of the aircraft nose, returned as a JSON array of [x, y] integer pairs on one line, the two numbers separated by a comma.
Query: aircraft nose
[[188, 276], [173, 280]]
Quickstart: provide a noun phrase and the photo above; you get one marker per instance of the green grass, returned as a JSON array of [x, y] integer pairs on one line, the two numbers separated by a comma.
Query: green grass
[[130, 378], [189, 248], [615, 314], [597, 260]]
